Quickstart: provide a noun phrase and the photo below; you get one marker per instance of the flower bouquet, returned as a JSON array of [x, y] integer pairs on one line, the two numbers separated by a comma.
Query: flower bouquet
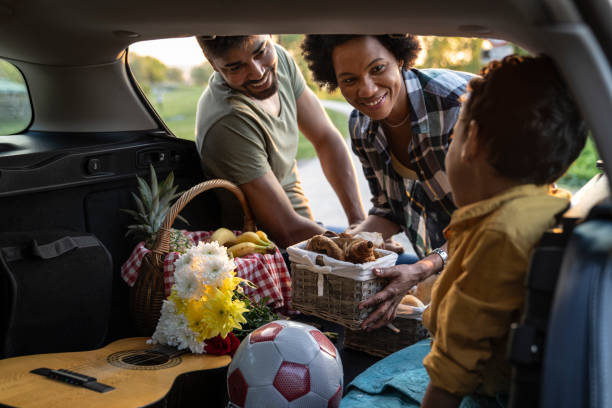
[[204, 305]]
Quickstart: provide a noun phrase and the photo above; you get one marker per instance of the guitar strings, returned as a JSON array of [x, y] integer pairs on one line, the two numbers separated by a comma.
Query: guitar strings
[[139, 358]]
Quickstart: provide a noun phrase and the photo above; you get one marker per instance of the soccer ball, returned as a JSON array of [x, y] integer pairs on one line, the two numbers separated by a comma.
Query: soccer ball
[[285, 364]]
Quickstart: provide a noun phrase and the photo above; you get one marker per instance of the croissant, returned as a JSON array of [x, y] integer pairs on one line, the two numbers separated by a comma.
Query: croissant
[[359, 251], [343, 247], [325, 245]]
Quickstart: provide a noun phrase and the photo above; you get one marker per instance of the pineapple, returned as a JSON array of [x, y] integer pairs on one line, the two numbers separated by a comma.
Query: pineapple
[[153, 202]]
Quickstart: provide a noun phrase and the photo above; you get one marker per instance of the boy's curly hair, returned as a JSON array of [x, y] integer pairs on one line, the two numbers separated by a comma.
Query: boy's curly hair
[[317, 51], [526, 117]]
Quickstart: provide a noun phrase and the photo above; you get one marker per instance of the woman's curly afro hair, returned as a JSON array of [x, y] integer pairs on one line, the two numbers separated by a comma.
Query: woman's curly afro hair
[[318, 49]]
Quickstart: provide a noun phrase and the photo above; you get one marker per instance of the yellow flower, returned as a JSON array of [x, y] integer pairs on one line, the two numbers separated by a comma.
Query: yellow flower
[[215, 313], [194, 310], [220, 315], [229, 284]]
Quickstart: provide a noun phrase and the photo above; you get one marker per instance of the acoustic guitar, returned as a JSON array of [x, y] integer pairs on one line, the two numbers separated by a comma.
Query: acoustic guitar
[[125, 373]]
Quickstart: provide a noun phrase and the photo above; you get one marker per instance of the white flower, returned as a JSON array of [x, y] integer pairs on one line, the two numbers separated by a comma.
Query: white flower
[[186, 283], [216, 269], [212, 249], [208, 262]]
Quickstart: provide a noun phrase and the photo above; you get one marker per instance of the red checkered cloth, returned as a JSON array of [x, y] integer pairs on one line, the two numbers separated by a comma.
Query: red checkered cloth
[[268, 272]]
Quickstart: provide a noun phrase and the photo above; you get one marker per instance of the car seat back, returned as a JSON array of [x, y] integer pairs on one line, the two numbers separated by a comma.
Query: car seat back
[[527, 338], [577, 365]]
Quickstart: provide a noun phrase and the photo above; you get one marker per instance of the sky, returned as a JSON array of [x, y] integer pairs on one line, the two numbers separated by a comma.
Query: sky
[[176, 52]]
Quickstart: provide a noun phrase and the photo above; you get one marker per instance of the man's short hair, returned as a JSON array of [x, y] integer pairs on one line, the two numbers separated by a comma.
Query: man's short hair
[[527, 119], [218, 45]]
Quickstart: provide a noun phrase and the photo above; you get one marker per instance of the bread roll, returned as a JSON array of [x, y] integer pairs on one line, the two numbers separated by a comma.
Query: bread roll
[[410, 300], [423, 289]]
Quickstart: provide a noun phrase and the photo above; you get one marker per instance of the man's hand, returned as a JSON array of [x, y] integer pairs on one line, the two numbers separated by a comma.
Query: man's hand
[[274, 213], [402, 279]]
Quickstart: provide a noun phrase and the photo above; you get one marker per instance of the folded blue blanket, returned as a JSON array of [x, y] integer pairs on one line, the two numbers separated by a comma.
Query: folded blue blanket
[[400, 381]]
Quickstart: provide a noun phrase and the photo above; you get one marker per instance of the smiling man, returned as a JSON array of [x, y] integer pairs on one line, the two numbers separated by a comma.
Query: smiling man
[[247, 132]]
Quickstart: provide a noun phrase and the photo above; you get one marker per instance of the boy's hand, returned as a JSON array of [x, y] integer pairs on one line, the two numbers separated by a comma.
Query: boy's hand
[[402, 278]]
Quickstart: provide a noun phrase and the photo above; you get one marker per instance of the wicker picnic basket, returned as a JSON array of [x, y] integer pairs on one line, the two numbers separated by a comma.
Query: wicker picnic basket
[[384, 341], [147, 294], [332, 289]]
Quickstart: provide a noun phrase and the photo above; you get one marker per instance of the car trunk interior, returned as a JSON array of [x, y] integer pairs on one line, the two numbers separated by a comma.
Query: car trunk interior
[[80, 182]]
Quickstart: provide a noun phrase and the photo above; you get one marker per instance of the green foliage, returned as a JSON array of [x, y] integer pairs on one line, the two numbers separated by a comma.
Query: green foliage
[[582, 169], [15, 110], [9, 72], [291, 42], [152, 203], [258, 315], [201, 74], [461, 54], [147, 69], [175, 75]]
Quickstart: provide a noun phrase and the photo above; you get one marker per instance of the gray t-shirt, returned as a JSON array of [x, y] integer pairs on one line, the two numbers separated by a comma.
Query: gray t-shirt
[[239, 141]]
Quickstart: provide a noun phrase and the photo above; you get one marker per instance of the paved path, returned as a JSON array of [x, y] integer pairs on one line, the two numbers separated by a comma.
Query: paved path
[[323, 200]]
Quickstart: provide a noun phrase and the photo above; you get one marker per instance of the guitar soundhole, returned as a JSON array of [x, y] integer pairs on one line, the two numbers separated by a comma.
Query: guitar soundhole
[[149, 360], [142, 360]]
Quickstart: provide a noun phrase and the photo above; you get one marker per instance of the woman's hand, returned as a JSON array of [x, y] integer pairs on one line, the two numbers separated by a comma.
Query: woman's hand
[[393, 246], [402, 279]]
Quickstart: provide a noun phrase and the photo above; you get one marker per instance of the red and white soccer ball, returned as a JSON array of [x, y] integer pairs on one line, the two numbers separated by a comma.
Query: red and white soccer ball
[[285, 364]]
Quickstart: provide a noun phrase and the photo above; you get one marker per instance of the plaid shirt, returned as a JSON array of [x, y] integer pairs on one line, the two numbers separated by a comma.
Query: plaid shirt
[[421, 207]]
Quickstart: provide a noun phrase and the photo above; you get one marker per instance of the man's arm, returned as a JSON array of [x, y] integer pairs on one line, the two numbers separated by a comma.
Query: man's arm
[[332, 152], [376, 223], [274, 214]]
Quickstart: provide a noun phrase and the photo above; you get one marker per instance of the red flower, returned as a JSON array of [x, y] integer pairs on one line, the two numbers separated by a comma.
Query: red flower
[[220, 346]]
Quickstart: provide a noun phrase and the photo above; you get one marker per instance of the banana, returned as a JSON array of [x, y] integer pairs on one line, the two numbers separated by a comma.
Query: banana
[[265, 238], [223, 236], [250, 236], [245, 248]]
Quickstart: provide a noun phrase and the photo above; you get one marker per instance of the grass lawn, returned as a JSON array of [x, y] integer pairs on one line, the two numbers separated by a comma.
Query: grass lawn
[[178, 110], [11, 126]]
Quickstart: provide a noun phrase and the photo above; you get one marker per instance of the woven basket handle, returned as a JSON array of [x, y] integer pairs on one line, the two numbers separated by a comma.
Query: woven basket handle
[[162, 243]]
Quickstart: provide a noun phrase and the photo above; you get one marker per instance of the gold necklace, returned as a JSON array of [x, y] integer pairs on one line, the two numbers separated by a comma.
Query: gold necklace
[[399, 124]]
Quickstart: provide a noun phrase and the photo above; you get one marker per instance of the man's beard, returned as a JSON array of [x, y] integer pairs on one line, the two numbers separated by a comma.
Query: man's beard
[[264, 93]]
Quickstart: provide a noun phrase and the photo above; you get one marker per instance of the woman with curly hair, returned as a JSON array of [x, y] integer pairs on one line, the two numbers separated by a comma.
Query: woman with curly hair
[[400, 130]]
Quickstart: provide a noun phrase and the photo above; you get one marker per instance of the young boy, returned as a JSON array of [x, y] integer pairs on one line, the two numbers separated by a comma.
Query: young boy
[[517, 133]]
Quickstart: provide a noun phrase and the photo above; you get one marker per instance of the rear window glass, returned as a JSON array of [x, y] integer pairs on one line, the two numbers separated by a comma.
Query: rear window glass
[[15, 110]]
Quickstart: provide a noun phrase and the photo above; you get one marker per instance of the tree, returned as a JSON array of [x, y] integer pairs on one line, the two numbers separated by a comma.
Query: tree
[[148, 70], [200, 74], [174, 74], [8, 71], [457, 53]]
